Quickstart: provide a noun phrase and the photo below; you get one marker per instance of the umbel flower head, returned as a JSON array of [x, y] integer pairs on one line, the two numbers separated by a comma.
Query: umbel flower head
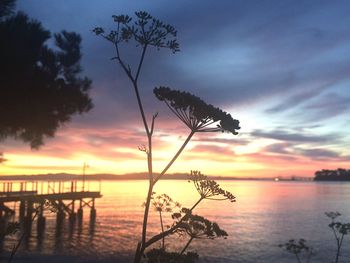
[[195, 113], [209, 189], [144, 29], [164, 203], [196, 226]]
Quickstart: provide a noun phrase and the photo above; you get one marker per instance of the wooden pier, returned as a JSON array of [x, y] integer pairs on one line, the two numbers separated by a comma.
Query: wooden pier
[[29, 198]]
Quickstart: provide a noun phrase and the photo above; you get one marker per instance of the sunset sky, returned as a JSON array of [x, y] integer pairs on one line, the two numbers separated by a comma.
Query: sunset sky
[[280, 67]]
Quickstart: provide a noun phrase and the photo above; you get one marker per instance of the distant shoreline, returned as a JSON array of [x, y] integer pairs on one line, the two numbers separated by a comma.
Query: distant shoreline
[[134, 176]]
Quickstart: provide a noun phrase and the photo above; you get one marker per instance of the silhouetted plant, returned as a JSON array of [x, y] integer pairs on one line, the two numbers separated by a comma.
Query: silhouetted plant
[[40, 86], [10, 229], [297, 248], [147, 31], [195, 113], [209, 189], [196, 227], [339, 230], [164, 204], [14, 227]]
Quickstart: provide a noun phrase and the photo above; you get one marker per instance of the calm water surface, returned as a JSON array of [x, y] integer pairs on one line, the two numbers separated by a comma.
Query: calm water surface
[[265, 215]]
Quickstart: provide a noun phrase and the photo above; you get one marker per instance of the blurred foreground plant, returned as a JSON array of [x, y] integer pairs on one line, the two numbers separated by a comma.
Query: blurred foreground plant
[[163, 204], [14, 227], [297, 248], [147, 32], [339, 230]]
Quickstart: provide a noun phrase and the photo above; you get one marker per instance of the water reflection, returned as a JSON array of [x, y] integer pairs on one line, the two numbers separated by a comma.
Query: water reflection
[[265, 215]]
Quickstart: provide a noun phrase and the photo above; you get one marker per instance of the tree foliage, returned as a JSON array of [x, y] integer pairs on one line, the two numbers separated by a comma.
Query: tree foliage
[[40, 86], [332, 175], [6, 7]]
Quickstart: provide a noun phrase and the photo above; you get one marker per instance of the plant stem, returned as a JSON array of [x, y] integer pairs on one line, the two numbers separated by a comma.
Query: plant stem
[[186, 246], [297, 257], [194, 206], [137, 257], [161, 224], [175, 157], [339, 243]]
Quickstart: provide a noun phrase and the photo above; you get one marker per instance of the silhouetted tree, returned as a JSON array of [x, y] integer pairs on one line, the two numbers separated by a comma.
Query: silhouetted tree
[[40, 87], [7, 7], [332, 175], [148, 32]]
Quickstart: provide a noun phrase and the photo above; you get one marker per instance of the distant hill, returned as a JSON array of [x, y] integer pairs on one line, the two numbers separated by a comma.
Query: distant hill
[[130, 176]]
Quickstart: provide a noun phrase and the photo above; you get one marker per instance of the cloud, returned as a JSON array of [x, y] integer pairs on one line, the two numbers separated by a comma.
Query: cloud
[[239, 55], [319, 153], [294, 101], [291, 150], [210, 152], [286, 136], [207, 139], [280, 148], [328, 106], [273, 161]]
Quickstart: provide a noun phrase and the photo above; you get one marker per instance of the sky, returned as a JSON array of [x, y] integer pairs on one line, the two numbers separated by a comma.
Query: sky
[[282, 68]]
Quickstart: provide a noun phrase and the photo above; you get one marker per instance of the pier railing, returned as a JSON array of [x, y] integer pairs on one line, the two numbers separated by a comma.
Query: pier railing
[[48, 187]]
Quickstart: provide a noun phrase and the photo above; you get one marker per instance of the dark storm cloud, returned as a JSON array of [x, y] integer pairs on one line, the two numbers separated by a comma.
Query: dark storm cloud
[[275, 50], [232, 52]]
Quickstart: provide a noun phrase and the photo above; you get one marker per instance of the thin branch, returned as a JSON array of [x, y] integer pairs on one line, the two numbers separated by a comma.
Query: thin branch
[[140, 62], [216, 199], [186, 246], [175, 157], [152, 125], [122, 64], [205, 124], [161, 224], [176, 113], [210, 130], [184, 115]]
